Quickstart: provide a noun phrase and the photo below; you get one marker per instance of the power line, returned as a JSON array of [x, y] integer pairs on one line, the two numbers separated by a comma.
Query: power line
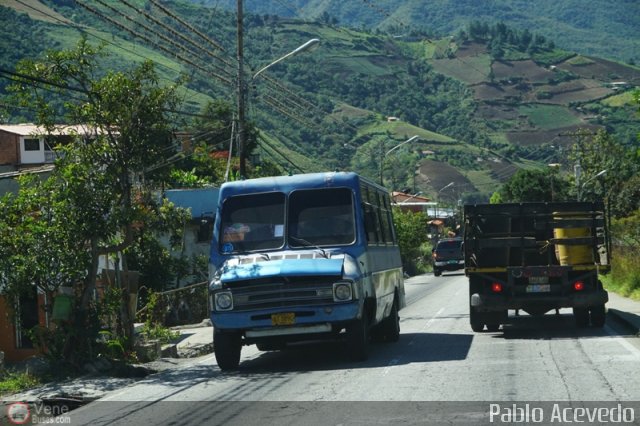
[[174, 33], [40, 80], [186, 24], [83, 31], [260, 138], [152, 43], [274, 103], [22, 77], [384, 12]]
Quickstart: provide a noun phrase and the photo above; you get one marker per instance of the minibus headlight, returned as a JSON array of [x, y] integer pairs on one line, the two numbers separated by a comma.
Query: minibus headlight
[[224, 301], [342, 292]]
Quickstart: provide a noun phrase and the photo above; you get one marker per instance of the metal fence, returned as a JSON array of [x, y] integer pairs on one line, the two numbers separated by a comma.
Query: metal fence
[[185, 305]]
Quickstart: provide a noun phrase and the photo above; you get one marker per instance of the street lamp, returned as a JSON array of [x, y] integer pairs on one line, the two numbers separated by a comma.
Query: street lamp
[[449, 185], [413, 196], [553, 167], [241, 89], [600, 173], [306, 47], [383, 156]]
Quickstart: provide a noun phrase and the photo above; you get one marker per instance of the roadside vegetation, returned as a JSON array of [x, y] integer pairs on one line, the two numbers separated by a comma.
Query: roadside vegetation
[[415, 248], [610, 172], [625, 274], [12, 382]]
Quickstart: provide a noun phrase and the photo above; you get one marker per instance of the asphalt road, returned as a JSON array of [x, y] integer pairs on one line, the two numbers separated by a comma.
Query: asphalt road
[[439, 372]]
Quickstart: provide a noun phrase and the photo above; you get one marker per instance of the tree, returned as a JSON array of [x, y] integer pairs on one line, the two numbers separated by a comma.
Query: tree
[[619, 185], [534, 185], [212, 132], [38, 239], [103, 177], [411, 231]]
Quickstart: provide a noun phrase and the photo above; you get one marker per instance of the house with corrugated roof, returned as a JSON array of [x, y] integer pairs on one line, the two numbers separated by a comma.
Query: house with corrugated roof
[[28, 145]]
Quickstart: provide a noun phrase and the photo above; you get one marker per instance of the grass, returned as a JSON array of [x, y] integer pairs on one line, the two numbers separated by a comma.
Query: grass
[[549, 57], [469, 70], [13, 382], [361, 64], [580, 60], [548, 117], [401, 129], [624, 278], [620, 100]]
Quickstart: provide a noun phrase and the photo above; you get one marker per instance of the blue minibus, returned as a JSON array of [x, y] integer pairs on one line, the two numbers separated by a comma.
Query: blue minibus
[[302, 258]]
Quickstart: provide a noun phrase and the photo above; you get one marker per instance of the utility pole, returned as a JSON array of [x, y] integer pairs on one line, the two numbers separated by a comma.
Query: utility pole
[[241, 94]]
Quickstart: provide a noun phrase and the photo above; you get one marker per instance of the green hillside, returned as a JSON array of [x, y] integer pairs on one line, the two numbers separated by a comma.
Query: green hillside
[[481, 108], [602, 28]]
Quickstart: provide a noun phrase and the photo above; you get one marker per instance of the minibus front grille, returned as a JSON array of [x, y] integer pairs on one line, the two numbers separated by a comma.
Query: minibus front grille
[[282, 292]]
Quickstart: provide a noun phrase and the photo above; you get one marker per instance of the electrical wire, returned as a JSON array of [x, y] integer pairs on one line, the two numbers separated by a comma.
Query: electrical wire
[[187, 25], [175, 33], [152, 43], [261, 138], [87, 33]]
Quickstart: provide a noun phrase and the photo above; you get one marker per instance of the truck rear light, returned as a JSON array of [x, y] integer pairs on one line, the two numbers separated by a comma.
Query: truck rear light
[[578, 286], [496, 288]]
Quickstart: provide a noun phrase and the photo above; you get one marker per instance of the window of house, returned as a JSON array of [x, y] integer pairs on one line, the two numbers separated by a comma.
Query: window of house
[[32, 144], [205, 230], [26, 319]]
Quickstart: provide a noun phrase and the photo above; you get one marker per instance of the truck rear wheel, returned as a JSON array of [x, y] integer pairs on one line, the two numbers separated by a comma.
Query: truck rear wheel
[[582, 316], [598, 316], [474, 318], [227, 347]]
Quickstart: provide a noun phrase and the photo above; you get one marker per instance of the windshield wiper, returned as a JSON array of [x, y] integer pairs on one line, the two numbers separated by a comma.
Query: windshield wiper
[[308, 244]]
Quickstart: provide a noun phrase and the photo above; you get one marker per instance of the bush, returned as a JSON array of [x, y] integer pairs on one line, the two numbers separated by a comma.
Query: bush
[[411, 230], [625, 270], [14, 382], [625, 273]]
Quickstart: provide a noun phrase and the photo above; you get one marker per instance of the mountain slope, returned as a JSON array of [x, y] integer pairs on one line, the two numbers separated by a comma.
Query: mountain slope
[[481, 110], [598, 27]]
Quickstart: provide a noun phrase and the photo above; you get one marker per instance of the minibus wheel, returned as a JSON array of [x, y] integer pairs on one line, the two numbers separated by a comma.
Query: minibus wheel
[[358, 339], [227, 347]]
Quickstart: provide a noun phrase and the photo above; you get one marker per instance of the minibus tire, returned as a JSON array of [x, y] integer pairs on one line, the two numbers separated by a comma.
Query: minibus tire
[[358, 339], [392, 324], [227, 348]]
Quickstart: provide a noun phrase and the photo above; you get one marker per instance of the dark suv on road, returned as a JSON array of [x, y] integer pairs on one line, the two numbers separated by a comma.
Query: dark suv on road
[[447, 256]]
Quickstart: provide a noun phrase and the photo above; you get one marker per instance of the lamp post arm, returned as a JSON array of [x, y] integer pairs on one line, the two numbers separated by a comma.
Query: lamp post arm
[[411, 139], [601, 173], [308, 45], [383, 156]]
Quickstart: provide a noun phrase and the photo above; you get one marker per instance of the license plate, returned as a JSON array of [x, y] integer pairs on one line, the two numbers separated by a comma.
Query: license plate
[[287, 318], [539, 280], [538, 288], [453, 262]]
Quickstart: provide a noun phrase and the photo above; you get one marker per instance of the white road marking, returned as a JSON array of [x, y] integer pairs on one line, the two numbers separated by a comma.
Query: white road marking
[[432, 319], [623, 342], [393, 362], [428, 323]]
